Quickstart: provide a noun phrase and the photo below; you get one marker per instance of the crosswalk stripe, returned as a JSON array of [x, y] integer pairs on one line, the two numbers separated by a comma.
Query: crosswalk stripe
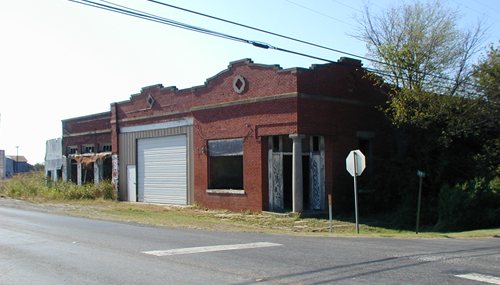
[[190, 250], [480, 277]]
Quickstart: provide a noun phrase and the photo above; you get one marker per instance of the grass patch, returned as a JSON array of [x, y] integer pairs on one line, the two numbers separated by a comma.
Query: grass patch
[[193, 217], [94, 202], [33, 186]]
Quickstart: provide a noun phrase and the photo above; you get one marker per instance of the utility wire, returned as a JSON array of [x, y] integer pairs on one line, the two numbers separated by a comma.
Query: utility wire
[[350, 7], [296, 40], [317, 12], [264, 31], [150, 17], [146, 16], [113, 7], [153, 18]]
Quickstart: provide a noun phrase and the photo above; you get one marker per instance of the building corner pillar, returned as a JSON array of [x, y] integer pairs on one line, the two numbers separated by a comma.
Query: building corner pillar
[[115, 146], [115, 173], [98, 171], [64, 169], [79, 173], [297, 191]]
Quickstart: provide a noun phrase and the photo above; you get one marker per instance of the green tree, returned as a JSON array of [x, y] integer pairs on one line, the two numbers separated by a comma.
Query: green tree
[[420, 52], [474, 203], [487, 77], [38, 167], [487, 107], [439, 101]]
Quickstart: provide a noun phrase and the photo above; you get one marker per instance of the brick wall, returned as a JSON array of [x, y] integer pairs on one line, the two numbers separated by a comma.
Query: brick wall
[[93, 130], [253, 122], [219, 112], [340, 101], [333, 100], [169, 102]]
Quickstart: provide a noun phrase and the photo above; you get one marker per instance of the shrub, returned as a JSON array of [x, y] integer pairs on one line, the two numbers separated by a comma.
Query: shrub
[[24, 185], [35, 186], [470, 205]]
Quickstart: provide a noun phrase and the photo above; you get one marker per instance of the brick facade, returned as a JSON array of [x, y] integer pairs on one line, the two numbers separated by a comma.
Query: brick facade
[[88, 130], [254, 102]]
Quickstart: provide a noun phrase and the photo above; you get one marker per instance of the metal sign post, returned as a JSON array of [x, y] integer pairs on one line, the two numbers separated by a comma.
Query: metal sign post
[[355, 192], [330, 210], [355, 164], [420, 175]]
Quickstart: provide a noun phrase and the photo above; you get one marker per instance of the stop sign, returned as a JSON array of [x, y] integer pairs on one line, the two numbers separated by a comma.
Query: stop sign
[[355, 162]]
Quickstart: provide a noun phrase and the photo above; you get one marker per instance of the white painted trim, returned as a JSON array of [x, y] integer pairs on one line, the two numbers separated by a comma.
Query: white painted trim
[[158, 126], [226, 191], [480, 277], [201, 249]]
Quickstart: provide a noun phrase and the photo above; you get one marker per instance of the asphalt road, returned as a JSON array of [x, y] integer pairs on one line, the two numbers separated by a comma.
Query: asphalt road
[[43, 248]]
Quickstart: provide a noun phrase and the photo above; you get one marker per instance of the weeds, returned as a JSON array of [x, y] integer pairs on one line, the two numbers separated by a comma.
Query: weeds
[[34, 186]]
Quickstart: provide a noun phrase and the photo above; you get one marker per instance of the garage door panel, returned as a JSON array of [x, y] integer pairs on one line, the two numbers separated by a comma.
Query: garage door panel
[[162, 170]]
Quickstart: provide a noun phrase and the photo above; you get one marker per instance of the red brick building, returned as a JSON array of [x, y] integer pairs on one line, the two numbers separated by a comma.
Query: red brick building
[[253, 137]]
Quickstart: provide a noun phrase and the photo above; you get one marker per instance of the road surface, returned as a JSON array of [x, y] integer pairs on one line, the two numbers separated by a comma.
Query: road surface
[[44, 248]]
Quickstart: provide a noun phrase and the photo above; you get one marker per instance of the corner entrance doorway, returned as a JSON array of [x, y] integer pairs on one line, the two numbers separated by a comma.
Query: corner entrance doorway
[[280, 173]]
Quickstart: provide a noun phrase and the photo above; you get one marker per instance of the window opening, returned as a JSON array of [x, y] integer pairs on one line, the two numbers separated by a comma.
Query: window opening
[[287, 144], [276, 143], [106, 148], [150, 101], [225, 164], [306, 146], [72, 150], [315, 143], [88, 149]]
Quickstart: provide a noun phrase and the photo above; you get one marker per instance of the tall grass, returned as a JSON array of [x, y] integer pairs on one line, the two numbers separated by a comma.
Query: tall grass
[[34, 186]]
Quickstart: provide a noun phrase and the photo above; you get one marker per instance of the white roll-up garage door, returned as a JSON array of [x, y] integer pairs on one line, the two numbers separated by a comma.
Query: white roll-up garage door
[[162, 170]]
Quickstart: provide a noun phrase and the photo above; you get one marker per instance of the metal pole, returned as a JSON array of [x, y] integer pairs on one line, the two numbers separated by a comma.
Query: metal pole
[[356, 192], [418, 203], [330, 210]]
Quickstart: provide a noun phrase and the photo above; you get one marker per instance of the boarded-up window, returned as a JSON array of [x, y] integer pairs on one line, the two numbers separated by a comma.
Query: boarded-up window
[[225, 164]]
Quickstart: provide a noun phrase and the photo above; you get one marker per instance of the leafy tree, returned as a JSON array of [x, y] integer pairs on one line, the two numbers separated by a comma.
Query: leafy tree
[[444, 107], [38, 167], [420, 52], [487, 79]]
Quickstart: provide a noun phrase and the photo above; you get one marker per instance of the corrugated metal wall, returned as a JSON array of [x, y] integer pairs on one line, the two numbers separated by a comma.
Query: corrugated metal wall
[[128, 155]]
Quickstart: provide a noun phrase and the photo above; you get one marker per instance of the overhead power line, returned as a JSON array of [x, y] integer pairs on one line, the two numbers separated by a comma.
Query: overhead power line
[[301, 41], [150, 17], [113, 7], [350, 7], [266, 32], [317, 12]]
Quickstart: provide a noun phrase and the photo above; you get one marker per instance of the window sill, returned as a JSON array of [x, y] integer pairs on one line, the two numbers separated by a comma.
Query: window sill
[[226, 191]]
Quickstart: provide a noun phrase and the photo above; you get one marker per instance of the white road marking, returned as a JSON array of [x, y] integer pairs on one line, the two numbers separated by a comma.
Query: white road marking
[[480, 277], [190, 250]]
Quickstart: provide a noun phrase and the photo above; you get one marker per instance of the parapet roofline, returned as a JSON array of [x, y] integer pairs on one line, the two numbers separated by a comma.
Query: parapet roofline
[[91, 116], [343, 61]]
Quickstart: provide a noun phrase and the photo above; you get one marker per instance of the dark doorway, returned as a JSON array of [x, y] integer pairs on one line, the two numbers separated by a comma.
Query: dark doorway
[[74, 171], [305, 182], [107, 168], [88, 173], [287, 183]]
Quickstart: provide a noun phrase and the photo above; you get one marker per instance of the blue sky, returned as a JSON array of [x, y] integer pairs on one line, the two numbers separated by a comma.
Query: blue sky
[[59, 59]]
